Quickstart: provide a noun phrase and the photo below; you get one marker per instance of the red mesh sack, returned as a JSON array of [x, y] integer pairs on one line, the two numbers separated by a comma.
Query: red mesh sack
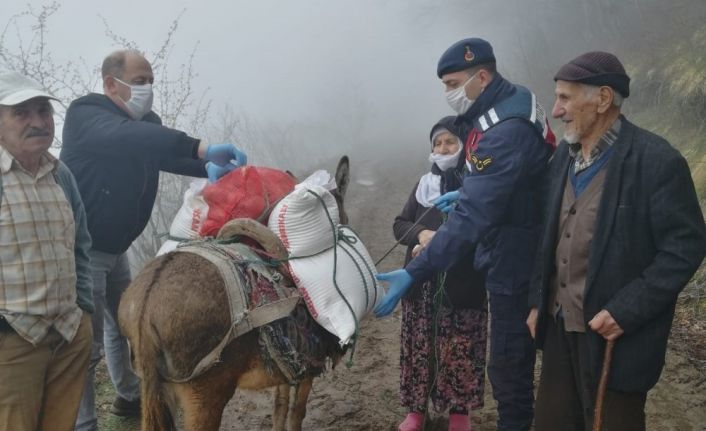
[[247, 192]]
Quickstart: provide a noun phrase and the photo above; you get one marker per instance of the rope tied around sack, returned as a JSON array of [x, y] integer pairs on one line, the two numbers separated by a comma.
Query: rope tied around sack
[[338, 235], [403, 237]]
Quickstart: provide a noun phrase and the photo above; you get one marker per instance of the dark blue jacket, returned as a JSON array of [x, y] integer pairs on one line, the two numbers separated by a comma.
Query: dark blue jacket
[[498, 212], [116, 161]]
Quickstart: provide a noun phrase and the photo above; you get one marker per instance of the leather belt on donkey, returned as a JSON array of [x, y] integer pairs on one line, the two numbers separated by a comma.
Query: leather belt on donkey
[[243, 319]]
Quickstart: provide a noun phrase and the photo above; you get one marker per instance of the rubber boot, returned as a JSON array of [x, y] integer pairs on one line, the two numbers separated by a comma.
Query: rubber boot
[[413, 422], [459, 422]]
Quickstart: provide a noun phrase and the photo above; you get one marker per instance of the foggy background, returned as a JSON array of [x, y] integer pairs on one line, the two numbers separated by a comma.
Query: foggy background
[[341, 76], [298, 84]]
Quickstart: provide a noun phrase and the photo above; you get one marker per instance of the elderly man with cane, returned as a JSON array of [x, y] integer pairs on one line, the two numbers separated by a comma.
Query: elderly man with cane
[[624, 234]]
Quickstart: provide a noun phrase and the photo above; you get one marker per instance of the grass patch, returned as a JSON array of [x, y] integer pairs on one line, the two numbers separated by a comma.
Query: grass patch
[[669, 99], [105, 394]]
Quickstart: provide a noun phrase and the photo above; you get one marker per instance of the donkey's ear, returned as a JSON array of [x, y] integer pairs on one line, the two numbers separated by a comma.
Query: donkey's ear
[[343, 176]]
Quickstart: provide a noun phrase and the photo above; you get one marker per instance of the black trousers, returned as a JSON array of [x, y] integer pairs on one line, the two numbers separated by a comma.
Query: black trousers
[[567, 392], [4, 326], [511, 364]]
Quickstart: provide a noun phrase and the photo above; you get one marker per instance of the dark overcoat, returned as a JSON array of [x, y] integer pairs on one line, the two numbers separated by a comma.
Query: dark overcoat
[[649, 240]]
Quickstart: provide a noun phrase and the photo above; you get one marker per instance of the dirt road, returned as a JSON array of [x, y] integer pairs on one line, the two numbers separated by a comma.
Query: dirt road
[[364, 397]]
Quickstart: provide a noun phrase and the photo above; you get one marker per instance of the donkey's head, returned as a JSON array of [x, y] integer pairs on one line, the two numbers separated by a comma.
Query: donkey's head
[[342, 179]]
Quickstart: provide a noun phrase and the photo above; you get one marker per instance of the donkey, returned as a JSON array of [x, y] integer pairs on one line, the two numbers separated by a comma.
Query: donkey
[[176, 311]]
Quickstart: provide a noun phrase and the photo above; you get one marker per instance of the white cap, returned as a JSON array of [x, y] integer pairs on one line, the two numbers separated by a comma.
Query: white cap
[[16, 88]]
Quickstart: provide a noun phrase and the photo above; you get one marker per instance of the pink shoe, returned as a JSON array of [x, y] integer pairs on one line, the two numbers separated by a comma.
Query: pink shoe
[[413, 422], [459, 422]]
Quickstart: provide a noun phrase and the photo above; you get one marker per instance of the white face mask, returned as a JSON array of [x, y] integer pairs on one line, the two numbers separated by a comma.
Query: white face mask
[[140, 102], [446, 161], [457, 99]]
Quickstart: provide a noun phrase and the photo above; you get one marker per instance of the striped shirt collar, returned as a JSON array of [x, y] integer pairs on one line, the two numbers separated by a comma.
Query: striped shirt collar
[[605, 142], [48, 163]]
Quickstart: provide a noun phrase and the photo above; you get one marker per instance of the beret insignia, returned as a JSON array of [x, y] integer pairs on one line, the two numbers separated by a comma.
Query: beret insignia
[[468, 56]]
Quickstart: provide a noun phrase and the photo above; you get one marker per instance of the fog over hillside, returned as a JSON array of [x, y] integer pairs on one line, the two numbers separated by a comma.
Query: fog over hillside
[[297, 84], [346, 76]]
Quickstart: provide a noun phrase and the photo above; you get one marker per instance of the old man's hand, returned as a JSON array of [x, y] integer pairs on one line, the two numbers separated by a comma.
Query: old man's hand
[[604, 324], [532, 322]]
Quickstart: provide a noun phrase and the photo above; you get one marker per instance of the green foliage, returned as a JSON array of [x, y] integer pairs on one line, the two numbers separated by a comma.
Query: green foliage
[[669, 97], [688, 70], [673, 76]]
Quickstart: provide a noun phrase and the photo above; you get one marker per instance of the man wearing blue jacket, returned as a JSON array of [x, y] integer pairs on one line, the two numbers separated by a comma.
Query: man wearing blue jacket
[[495, 213], [116, 146]]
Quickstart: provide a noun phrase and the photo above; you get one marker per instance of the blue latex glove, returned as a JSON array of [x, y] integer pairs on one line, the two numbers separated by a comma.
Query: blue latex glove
[[447, 202], [222, 154], [400, 282], [215, 172]]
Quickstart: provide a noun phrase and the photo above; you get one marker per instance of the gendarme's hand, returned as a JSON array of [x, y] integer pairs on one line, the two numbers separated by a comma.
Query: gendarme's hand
[[447, 202], [400, 281]]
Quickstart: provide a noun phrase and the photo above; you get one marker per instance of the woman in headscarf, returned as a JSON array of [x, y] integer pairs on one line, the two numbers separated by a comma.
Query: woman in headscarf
[[444, 321]]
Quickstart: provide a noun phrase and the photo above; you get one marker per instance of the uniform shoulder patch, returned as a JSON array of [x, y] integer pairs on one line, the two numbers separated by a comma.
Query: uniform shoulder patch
[[479, 163]]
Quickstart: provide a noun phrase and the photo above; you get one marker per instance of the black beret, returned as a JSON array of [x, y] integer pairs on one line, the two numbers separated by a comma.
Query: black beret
[[465, 54], [596, 68]]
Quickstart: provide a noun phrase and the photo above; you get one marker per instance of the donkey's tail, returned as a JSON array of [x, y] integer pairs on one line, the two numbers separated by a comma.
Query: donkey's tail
[[156, 415]]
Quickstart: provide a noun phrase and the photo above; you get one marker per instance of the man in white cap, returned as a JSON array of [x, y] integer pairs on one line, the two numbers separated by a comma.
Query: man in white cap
[[45, 306]]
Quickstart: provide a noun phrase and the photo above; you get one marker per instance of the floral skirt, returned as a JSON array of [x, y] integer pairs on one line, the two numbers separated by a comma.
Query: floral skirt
[[448, 366]]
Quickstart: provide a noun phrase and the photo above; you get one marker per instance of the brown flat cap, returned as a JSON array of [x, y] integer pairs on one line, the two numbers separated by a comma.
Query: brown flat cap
[[596, 68]]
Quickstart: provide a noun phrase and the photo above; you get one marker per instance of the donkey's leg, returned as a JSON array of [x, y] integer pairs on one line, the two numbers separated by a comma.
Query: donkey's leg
[[279, 420], [203, 399], [299, 407]]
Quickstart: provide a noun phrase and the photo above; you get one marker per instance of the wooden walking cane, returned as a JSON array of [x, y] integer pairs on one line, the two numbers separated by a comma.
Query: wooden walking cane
[[602, 384]]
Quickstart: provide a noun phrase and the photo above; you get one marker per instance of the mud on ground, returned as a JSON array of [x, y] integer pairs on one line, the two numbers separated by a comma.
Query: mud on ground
[[364, 397]]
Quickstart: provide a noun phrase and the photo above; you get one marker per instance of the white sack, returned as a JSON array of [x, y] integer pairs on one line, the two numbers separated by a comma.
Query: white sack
[[194, 209], [168, 246], [319, 178], [301, 222], [355, 277]]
